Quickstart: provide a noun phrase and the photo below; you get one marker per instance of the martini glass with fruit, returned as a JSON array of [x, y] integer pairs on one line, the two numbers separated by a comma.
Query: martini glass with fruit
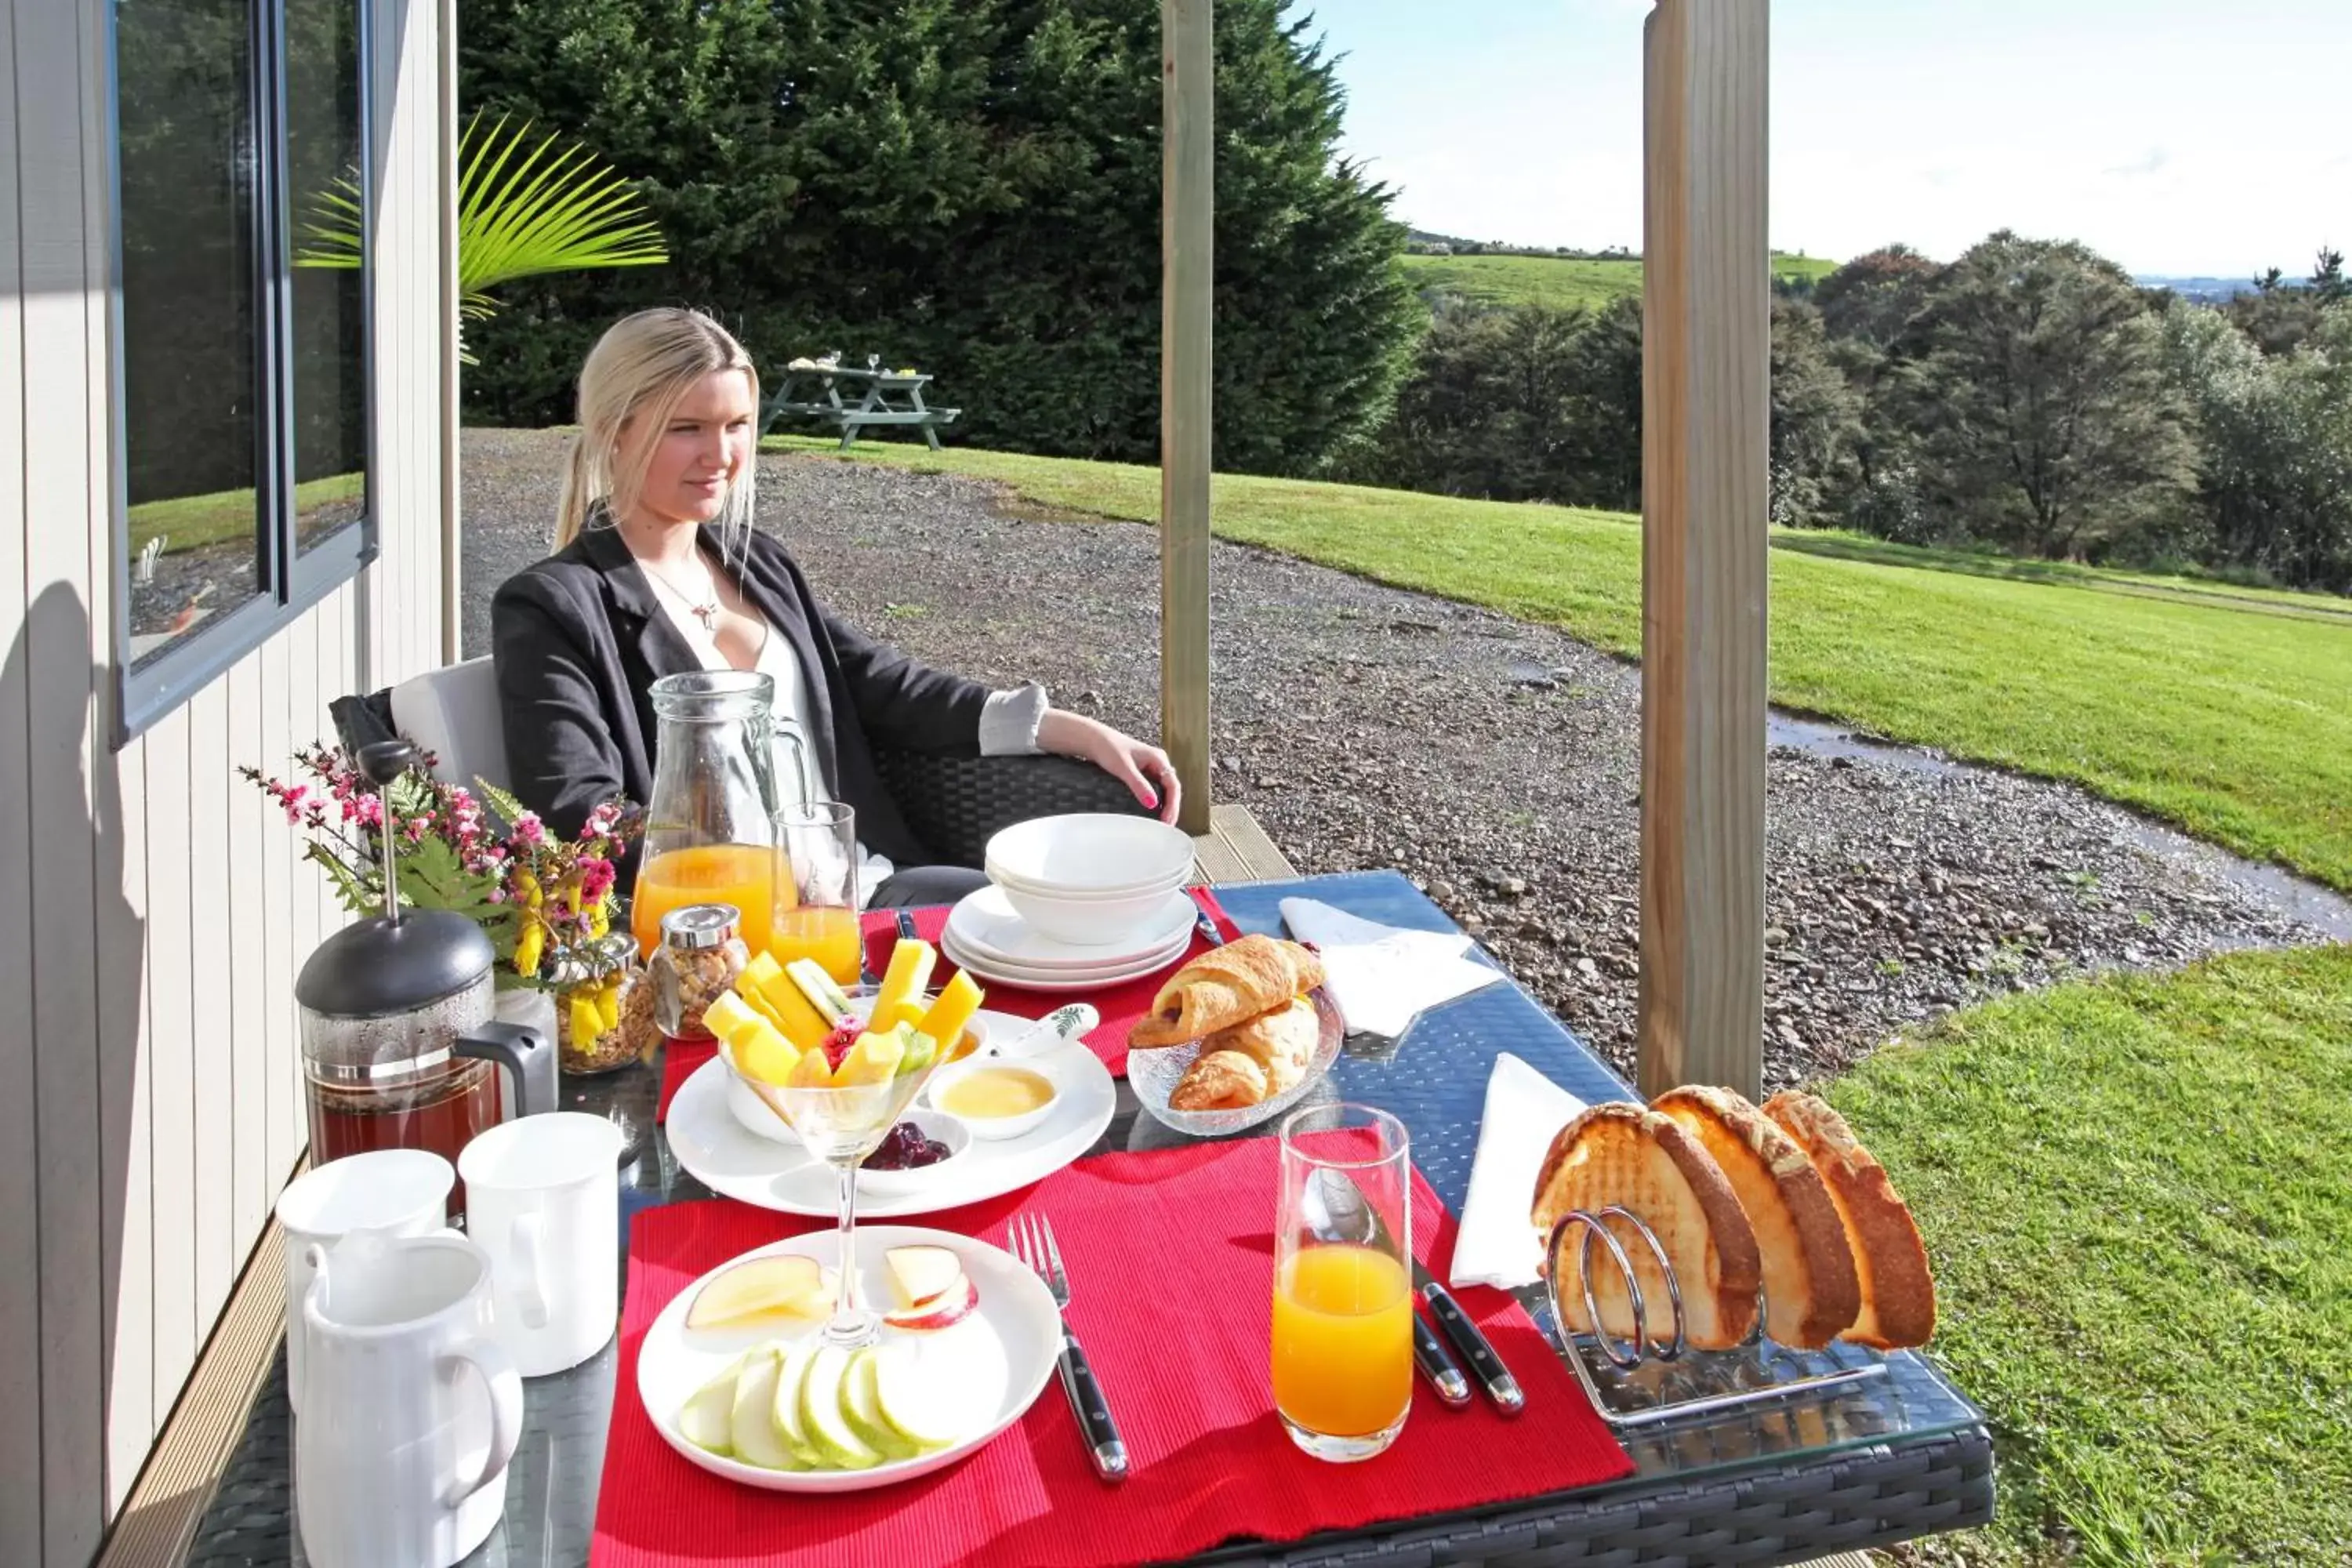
[[839, 1068]]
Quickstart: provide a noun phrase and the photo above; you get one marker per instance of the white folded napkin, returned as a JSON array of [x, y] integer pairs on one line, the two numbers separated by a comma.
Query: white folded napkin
[[1494, 1245], [1381, 976]]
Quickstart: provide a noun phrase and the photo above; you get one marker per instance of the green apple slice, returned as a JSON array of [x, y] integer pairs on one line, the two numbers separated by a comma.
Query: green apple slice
[[707, 1418], [860, 1407], [931, 1401], [788, 1422], [821, 1413], [753, 1423], [814, 984]]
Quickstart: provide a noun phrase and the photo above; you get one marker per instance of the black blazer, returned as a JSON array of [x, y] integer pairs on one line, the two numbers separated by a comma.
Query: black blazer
[[579, 640]]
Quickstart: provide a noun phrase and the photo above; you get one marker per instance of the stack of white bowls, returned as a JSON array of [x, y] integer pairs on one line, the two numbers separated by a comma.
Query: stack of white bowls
[[1077, 903]]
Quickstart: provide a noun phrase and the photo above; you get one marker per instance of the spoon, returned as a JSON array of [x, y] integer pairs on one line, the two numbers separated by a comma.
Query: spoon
[[1056, 1028]]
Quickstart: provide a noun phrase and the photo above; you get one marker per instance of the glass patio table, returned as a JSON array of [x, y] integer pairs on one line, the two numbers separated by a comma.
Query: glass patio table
[[1866, 1464]]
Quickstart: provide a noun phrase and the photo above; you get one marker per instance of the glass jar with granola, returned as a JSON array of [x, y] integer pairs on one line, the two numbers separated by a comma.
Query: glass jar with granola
[[698, 959]]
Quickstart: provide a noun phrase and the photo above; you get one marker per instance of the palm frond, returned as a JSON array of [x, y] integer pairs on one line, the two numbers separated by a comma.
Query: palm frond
[[525, 209]]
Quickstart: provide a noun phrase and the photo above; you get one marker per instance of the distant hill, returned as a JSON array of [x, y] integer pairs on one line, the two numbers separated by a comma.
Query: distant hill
[[1529, 277], [2204, 290]]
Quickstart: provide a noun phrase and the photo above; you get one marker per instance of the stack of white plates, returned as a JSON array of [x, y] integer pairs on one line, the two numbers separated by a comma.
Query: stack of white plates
[[1090, 879], [986, 935]]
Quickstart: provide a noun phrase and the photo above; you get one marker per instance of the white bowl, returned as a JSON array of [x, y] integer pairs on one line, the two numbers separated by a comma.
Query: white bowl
[[1086, 922], [1091, 853], [994, 1127]]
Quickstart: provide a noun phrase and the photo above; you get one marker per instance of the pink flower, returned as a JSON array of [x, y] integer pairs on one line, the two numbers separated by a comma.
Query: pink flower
[[527, 828]]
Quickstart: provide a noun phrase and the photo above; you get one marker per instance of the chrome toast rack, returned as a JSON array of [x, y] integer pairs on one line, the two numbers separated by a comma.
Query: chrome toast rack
[[1642, 1381]]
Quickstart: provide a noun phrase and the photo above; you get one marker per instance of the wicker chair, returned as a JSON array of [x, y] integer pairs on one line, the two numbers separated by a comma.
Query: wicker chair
[[953, 804]]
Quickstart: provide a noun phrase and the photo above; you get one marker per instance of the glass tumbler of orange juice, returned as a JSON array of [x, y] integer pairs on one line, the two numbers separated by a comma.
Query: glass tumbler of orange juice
[[1343, 1282], [817, 889]]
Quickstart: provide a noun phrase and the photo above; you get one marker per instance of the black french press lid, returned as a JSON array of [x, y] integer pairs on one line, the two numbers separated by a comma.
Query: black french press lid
[[400, 962]]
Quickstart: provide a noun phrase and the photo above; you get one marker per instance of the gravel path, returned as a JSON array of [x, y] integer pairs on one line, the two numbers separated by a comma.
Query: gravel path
[[1494, 762]]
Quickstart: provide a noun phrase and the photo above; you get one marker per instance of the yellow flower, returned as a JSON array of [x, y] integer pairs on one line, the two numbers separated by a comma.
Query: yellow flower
[[528, 946], [600, 921]]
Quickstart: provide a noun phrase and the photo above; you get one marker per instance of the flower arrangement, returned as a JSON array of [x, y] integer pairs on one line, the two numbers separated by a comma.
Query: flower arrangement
[[545, 903]]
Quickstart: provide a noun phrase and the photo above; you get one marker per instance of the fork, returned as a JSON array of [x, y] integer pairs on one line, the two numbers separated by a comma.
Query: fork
[[1033, 1245]]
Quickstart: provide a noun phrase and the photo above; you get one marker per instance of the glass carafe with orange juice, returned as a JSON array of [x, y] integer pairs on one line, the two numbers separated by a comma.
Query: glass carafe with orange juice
[[709, 827], [1343, 1352]]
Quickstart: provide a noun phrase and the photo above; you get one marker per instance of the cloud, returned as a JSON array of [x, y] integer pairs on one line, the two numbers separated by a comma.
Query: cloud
[[2141, 168]]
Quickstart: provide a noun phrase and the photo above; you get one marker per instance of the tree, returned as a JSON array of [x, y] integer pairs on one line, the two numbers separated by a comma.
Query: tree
[[2274, 459], [2328, 280], [1532, 403], [2049, 425], [1816, 419], [970, 186], [1874, 297]]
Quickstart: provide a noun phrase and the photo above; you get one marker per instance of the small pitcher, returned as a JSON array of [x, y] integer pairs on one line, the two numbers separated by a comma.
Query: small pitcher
[[410, 1410]]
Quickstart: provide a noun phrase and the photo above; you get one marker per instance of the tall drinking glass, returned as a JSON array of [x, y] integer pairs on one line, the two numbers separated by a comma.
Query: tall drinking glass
[[1343, 1282], [817, 889]]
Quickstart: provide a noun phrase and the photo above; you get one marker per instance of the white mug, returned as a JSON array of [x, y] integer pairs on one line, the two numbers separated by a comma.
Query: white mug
[[543, 1200], [400, 1192], [413, 1411]]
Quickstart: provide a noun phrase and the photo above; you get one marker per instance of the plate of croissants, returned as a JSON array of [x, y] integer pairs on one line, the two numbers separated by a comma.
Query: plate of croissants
[[1235, 1037]]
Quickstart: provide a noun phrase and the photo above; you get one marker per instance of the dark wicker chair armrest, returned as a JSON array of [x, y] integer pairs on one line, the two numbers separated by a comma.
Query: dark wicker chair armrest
[[955, 804]]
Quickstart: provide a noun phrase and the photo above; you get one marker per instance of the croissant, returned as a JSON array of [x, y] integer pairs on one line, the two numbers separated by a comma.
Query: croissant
[[1281, 1043], [1219, 1080], [1225, 986]]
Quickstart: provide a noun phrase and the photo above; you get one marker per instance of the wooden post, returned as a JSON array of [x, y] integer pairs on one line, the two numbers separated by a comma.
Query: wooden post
[[1187, 224], [1705, 361]]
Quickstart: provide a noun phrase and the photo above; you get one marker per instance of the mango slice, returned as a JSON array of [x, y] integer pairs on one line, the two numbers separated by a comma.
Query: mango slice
[[902, 986], [958, 999]]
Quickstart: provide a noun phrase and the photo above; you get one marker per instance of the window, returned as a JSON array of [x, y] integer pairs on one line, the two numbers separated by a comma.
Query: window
[[242, 386]]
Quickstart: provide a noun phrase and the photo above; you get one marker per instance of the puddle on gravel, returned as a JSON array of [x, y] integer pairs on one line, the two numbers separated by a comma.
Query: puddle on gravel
[[2281, 892]]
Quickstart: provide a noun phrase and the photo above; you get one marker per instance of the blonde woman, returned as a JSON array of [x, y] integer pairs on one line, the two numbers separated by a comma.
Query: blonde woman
[[657, 570]]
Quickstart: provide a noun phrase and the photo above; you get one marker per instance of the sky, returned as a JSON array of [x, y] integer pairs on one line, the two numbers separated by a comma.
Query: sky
[[2178, 137]]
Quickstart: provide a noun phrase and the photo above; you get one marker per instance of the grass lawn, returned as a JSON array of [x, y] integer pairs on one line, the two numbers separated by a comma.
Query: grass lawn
[[2232, 719], [190, 523], [1557, 280], [2138, 1194]]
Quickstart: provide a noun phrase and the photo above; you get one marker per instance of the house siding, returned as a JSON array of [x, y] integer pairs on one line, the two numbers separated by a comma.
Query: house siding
[[153, 910]]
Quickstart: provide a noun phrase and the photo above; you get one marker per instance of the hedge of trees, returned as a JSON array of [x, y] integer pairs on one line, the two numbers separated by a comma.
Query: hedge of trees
[[970, 187], [2027, 397]]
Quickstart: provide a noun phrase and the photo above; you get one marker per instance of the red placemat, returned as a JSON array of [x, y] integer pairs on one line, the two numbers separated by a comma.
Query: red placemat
[[1170, 1257], [1121, 1005]]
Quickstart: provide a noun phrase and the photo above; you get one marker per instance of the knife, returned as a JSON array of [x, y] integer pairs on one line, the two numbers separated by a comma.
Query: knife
[[1208, 929], [1475, 1348]]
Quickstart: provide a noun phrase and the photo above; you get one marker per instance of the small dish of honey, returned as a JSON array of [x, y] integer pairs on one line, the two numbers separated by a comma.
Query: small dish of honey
[[995, 1099]]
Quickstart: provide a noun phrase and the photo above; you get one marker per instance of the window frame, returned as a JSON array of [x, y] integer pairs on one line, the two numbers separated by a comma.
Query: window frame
[[291, 581]]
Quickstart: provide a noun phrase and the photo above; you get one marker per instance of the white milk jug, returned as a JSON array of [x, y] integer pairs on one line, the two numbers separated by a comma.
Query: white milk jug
[[410, 1411]]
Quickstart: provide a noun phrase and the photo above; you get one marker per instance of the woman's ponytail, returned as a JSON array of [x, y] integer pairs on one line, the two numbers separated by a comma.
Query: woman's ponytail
[[580, 490]]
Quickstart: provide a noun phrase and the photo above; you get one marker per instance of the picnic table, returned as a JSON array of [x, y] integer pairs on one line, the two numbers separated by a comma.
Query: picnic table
[[1866, 1465], [887, 397]]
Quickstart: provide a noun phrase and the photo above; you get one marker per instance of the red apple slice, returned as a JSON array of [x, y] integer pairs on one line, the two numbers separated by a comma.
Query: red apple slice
[[783, 1284], [923, 1274], [936, 1315]]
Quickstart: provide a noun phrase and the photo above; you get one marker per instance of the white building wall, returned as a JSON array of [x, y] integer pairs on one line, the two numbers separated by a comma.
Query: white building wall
[[152, 913]]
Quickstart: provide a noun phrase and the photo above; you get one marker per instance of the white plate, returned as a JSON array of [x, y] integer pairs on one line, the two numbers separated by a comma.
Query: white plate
[[717, 1152], [1060, 984], [984, 924], [1015, 1328]]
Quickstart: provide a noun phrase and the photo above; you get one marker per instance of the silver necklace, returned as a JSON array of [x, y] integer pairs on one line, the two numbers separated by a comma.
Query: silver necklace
[[706, 611]]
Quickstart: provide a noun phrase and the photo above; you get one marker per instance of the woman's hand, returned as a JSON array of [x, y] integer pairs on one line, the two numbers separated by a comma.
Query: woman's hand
[[1143, 768]]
